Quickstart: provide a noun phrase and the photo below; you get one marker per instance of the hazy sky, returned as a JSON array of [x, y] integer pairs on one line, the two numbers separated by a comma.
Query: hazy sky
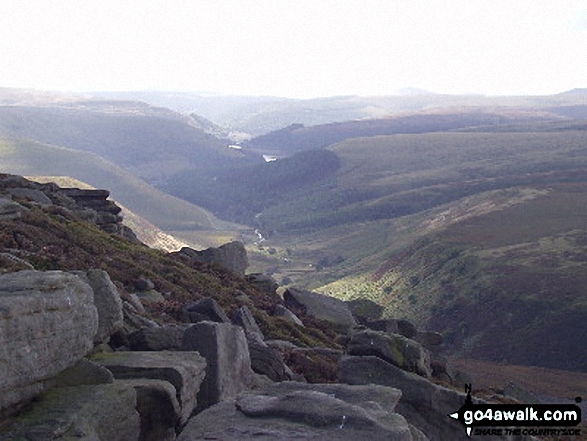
[[296, 48]]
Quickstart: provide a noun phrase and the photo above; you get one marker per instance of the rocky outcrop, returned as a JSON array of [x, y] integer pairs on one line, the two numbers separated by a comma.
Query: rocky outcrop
[[89, 205], [396, 349], [48, 321], [231, 256], [282, 311], [146, 378], [394, 326], [30, 194], [10, 209], [300, 411], [399, 342], [100, 210], [321, 307], [184, 370], [205, 309], [423, 403], [106, 300], [263, 282], [160, 338], [85, 403], [365, 310], [228, 371], [157, 392]]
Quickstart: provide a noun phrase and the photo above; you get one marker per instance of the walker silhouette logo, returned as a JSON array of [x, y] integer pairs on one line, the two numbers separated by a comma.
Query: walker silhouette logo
[[508, 419]]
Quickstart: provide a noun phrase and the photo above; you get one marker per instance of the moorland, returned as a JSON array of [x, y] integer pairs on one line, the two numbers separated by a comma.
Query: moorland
[[465, 214]]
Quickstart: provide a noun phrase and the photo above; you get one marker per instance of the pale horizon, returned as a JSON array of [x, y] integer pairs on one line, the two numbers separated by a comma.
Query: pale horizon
[[295, 49]]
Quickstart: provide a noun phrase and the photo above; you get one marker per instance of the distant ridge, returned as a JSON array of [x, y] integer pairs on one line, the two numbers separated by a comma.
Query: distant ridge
[[412, 91], [578, 91], [12, 96]]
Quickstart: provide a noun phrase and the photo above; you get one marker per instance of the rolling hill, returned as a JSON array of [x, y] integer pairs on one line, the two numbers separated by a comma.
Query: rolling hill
[[468, 222], [149, 142], [476, 234], [298, 137], [260, 115], [169, 213], [385, 177], [256, 115]]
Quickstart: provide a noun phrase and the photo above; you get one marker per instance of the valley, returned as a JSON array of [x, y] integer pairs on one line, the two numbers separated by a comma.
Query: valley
[[466, 215], [301, 220]]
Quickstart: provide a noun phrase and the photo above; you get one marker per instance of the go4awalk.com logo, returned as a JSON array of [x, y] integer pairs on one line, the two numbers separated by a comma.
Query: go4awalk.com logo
[[518, 419]]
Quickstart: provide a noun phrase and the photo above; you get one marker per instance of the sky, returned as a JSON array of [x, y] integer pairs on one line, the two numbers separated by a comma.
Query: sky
[[295, 48]]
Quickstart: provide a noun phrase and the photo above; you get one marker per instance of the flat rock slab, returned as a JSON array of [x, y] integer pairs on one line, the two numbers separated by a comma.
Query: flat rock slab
[[47, 323], [84, 413], [301, 411], [184, 370], [386, 397]]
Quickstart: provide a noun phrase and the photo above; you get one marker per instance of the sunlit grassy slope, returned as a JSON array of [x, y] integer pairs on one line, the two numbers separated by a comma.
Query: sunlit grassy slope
[[166, 212], [503, 274]]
